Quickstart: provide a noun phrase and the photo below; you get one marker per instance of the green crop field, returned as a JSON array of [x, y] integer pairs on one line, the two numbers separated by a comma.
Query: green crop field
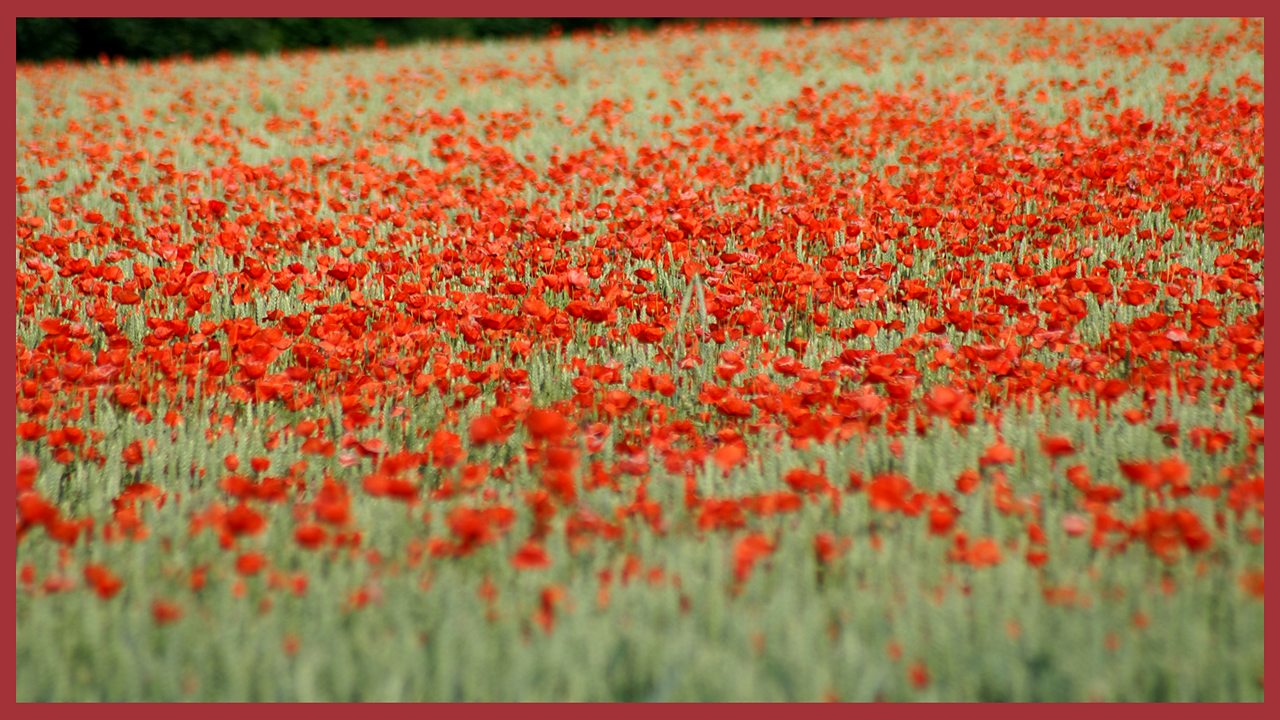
[[883, 360]]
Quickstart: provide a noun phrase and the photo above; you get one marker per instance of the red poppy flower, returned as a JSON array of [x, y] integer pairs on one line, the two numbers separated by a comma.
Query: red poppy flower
[[104, 582], [250, 563], [531, 555]]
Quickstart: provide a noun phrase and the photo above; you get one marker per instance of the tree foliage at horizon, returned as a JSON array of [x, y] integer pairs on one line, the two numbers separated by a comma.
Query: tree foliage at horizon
[[41, 39]]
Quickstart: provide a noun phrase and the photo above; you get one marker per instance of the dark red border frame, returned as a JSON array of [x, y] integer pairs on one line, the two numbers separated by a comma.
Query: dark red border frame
[[582, 8]]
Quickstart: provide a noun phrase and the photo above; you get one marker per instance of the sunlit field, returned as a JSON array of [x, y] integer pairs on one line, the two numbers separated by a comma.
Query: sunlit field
[[884, 360]]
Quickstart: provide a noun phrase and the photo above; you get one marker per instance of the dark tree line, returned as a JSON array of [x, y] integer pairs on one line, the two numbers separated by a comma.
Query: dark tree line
[[136, 38]]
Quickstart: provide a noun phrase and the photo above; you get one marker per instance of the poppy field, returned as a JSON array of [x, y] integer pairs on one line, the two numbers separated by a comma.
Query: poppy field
[[884, 360]]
